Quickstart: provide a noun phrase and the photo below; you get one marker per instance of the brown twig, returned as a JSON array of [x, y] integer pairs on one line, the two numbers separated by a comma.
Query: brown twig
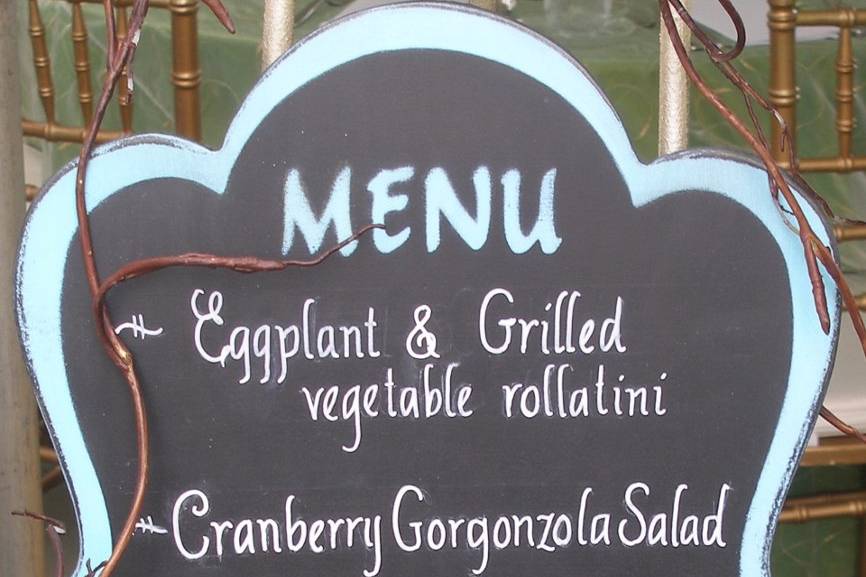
[[841, 425], [120, 53], [804, 229], [713, 49], [813, 248], [848, 296], [242, 264], [55, 529], [91, 570], [218, 10], [121, 62], [752, 96]]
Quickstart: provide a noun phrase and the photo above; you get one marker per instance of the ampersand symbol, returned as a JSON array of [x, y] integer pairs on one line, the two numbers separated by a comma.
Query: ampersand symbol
[[421, 343]]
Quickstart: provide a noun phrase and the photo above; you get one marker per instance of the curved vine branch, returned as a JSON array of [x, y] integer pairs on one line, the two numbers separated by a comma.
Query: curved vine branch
[[55, 529], [120, 55], [814, 251], [242, 264]]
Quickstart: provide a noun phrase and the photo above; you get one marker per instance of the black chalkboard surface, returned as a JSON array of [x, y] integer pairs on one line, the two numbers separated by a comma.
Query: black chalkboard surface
[[554, 360]]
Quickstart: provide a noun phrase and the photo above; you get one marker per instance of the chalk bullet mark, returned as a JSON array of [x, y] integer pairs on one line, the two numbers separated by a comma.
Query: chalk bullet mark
[[138, 329], [146, 525]]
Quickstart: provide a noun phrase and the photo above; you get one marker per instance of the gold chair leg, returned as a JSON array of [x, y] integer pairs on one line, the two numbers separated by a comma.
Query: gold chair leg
[[185, 71]]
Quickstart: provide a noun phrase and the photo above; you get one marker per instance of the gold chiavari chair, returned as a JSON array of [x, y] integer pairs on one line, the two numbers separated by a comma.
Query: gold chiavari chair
[[185, 72], [783, 20]]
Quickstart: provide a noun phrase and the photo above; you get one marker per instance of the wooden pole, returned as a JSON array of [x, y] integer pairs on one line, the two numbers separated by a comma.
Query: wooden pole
[[673, 91], [277, 28], [21, 540]]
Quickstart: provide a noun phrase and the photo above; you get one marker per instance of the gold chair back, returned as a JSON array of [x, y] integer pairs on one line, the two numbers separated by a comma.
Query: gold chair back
[[783, 19], [185, 71]]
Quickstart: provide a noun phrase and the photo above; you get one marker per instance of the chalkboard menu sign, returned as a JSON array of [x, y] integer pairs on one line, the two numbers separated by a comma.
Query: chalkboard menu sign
[[552, 360]]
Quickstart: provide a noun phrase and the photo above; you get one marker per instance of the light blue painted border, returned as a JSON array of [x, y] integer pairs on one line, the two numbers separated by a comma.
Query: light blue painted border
[[51, 226]]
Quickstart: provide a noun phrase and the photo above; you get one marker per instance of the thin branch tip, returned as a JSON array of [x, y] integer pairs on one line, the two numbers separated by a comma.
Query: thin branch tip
[[221, 14]]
